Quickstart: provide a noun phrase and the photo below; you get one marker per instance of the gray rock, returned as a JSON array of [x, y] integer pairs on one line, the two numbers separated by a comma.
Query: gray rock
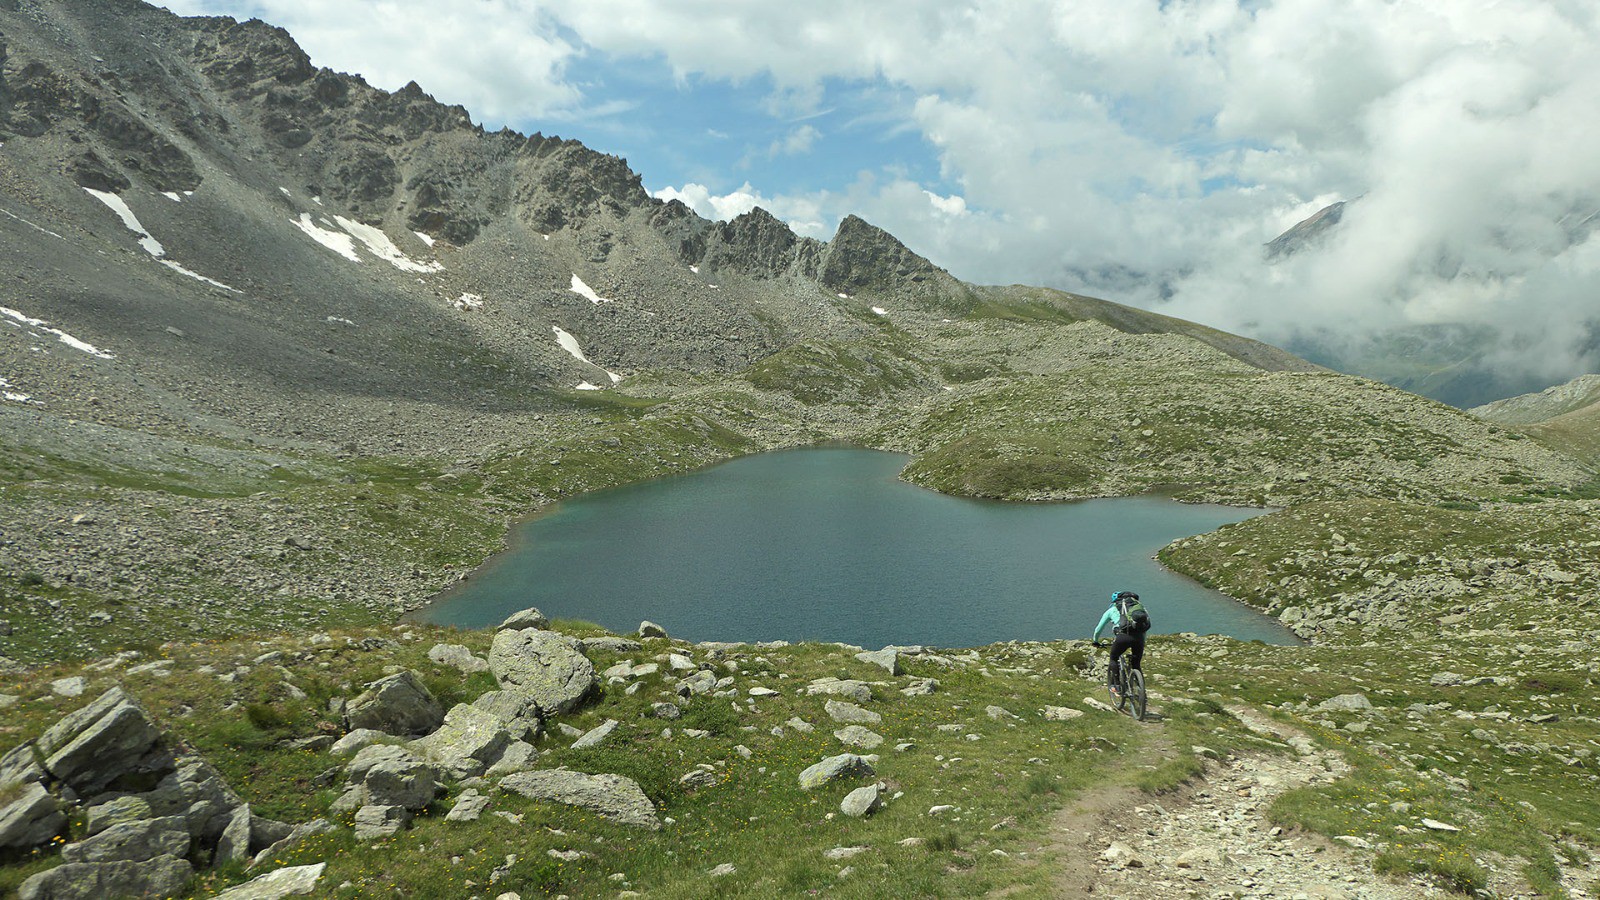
[[356, 741], [19, 766], [468, 743], [197, 792], [859, 691], [648, 629], [609, 796], [276, 849], [277, 885], [517, 713], [1060, 713], [998, 713], [920, 687], [136, 841], [69, 687], [596, 736], [377, 822], [849, 713], [845, 765], [1346, 702], [862, 801], [859, 736], [546, 667], [699, 778], [887, 658], [701, 682], [399, 704], [468, 807], [527, 618], [609, 644], [163, 876], [519, 757], [665, 710], [1447, 679], [98, 746], [118, 811], [31, 819], [234, 845], [459, 657], [265, 832], [385, 775]]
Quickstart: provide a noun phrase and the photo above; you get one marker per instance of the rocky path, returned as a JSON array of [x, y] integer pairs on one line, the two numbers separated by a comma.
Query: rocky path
[[1213, 839]]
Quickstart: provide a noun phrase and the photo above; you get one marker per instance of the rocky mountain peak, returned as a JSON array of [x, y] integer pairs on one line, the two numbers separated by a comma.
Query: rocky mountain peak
[[864, 255], [756, 243], [1305, 231]]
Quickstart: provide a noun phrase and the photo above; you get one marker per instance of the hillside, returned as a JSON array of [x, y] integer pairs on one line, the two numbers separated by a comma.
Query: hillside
[[285, 355]]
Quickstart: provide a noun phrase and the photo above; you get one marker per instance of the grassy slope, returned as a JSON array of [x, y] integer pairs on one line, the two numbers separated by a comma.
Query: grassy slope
[[1389, 494]]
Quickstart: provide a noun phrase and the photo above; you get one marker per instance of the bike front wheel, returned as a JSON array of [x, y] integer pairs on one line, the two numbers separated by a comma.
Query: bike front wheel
[[1135, 693]]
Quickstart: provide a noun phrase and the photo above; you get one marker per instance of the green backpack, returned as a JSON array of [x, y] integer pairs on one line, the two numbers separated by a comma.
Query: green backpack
[[1131, 616]]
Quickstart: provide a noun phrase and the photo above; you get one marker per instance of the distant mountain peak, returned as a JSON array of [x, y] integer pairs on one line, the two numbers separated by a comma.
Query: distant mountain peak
[[1306, 232]]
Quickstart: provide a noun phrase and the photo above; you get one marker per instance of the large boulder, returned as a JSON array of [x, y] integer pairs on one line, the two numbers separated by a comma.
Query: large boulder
[[400, 704], [888, 658], [612, 797], [108, 744], [32, 818], [468, 743], [20, 766], [162, 876], [845, 765], [197, 792], [517, 713], [458, 656], [385, 775], [136, 841], [548, 668]]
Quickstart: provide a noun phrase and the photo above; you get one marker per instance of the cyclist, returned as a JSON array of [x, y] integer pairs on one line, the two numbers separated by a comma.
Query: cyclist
[[1128, 622]]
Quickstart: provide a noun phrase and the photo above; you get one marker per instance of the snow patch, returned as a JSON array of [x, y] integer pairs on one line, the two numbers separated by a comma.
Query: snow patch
[[342, 244], [150, 244], [844, 296], [425, 238], [695, 269], [197, 276], [585, 386], [174, 196], [467, 302], [15, 397], [317, 200], [120, 207], [880, 310], [379, 245], [583, 290], [340, 320], [62, 336], [31, 225], [285, 192], [570, 344]]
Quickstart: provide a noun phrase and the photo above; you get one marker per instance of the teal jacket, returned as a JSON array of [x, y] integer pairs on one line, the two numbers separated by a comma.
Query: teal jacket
[[1109, 620]]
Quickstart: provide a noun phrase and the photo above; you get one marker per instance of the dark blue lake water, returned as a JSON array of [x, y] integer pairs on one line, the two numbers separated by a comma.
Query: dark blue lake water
[[827, 545]]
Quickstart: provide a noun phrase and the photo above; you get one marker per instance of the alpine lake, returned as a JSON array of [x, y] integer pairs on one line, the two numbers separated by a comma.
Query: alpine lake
[[826, 544]]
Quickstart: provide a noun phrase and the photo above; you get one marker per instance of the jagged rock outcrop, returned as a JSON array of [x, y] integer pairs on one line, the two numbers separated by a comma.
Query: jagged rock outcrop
[[399, 704], [862, 256]]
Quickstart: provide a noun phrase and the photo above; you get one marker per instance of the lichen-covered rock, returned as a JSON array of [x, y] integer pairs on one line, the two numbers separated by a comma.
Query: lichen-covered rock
[[609, 644], [19, 766], [136, 841], [527, 618], [850, 714], [887, 658], [862, 801], [31, 819], [375, 821], [399, 704], [859, 691], [648, 629], [518, 714], [162, 876], [546, 667], [104, 744], [457, 656], [277, 885], [385, 775], [609, 796], [469, 741], [845, 765]]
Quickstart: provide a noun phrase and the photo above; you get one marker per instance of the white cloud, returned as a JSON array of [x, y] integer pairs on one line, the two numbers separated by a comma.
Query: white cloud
[[1143, 150], [796, 142]]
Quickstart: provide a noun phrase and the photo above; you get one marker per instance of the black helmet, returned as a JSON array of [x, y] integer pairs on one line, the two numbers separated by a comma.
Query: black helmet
[[1125, 595]]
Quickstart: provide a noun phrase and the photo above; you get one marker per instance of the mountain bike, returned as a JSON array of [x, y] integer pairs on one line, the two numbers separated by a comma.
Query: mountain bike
[[1129, 696]]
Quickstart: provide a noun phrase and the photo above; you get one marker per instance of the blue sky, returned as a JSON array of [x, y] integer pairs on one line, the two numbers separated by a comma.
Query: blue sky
[[1138, 150]]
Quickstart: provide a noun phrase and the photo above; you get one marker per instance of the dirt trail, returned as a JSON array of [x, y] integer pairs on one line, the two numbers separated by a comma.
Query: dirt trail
[[1212, 839]]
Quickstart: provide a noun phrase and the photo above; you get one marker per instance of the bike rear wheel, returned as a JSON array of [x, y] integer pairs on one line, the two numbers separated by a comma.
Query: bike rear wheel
[[1134, 692], [1120, 695]]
